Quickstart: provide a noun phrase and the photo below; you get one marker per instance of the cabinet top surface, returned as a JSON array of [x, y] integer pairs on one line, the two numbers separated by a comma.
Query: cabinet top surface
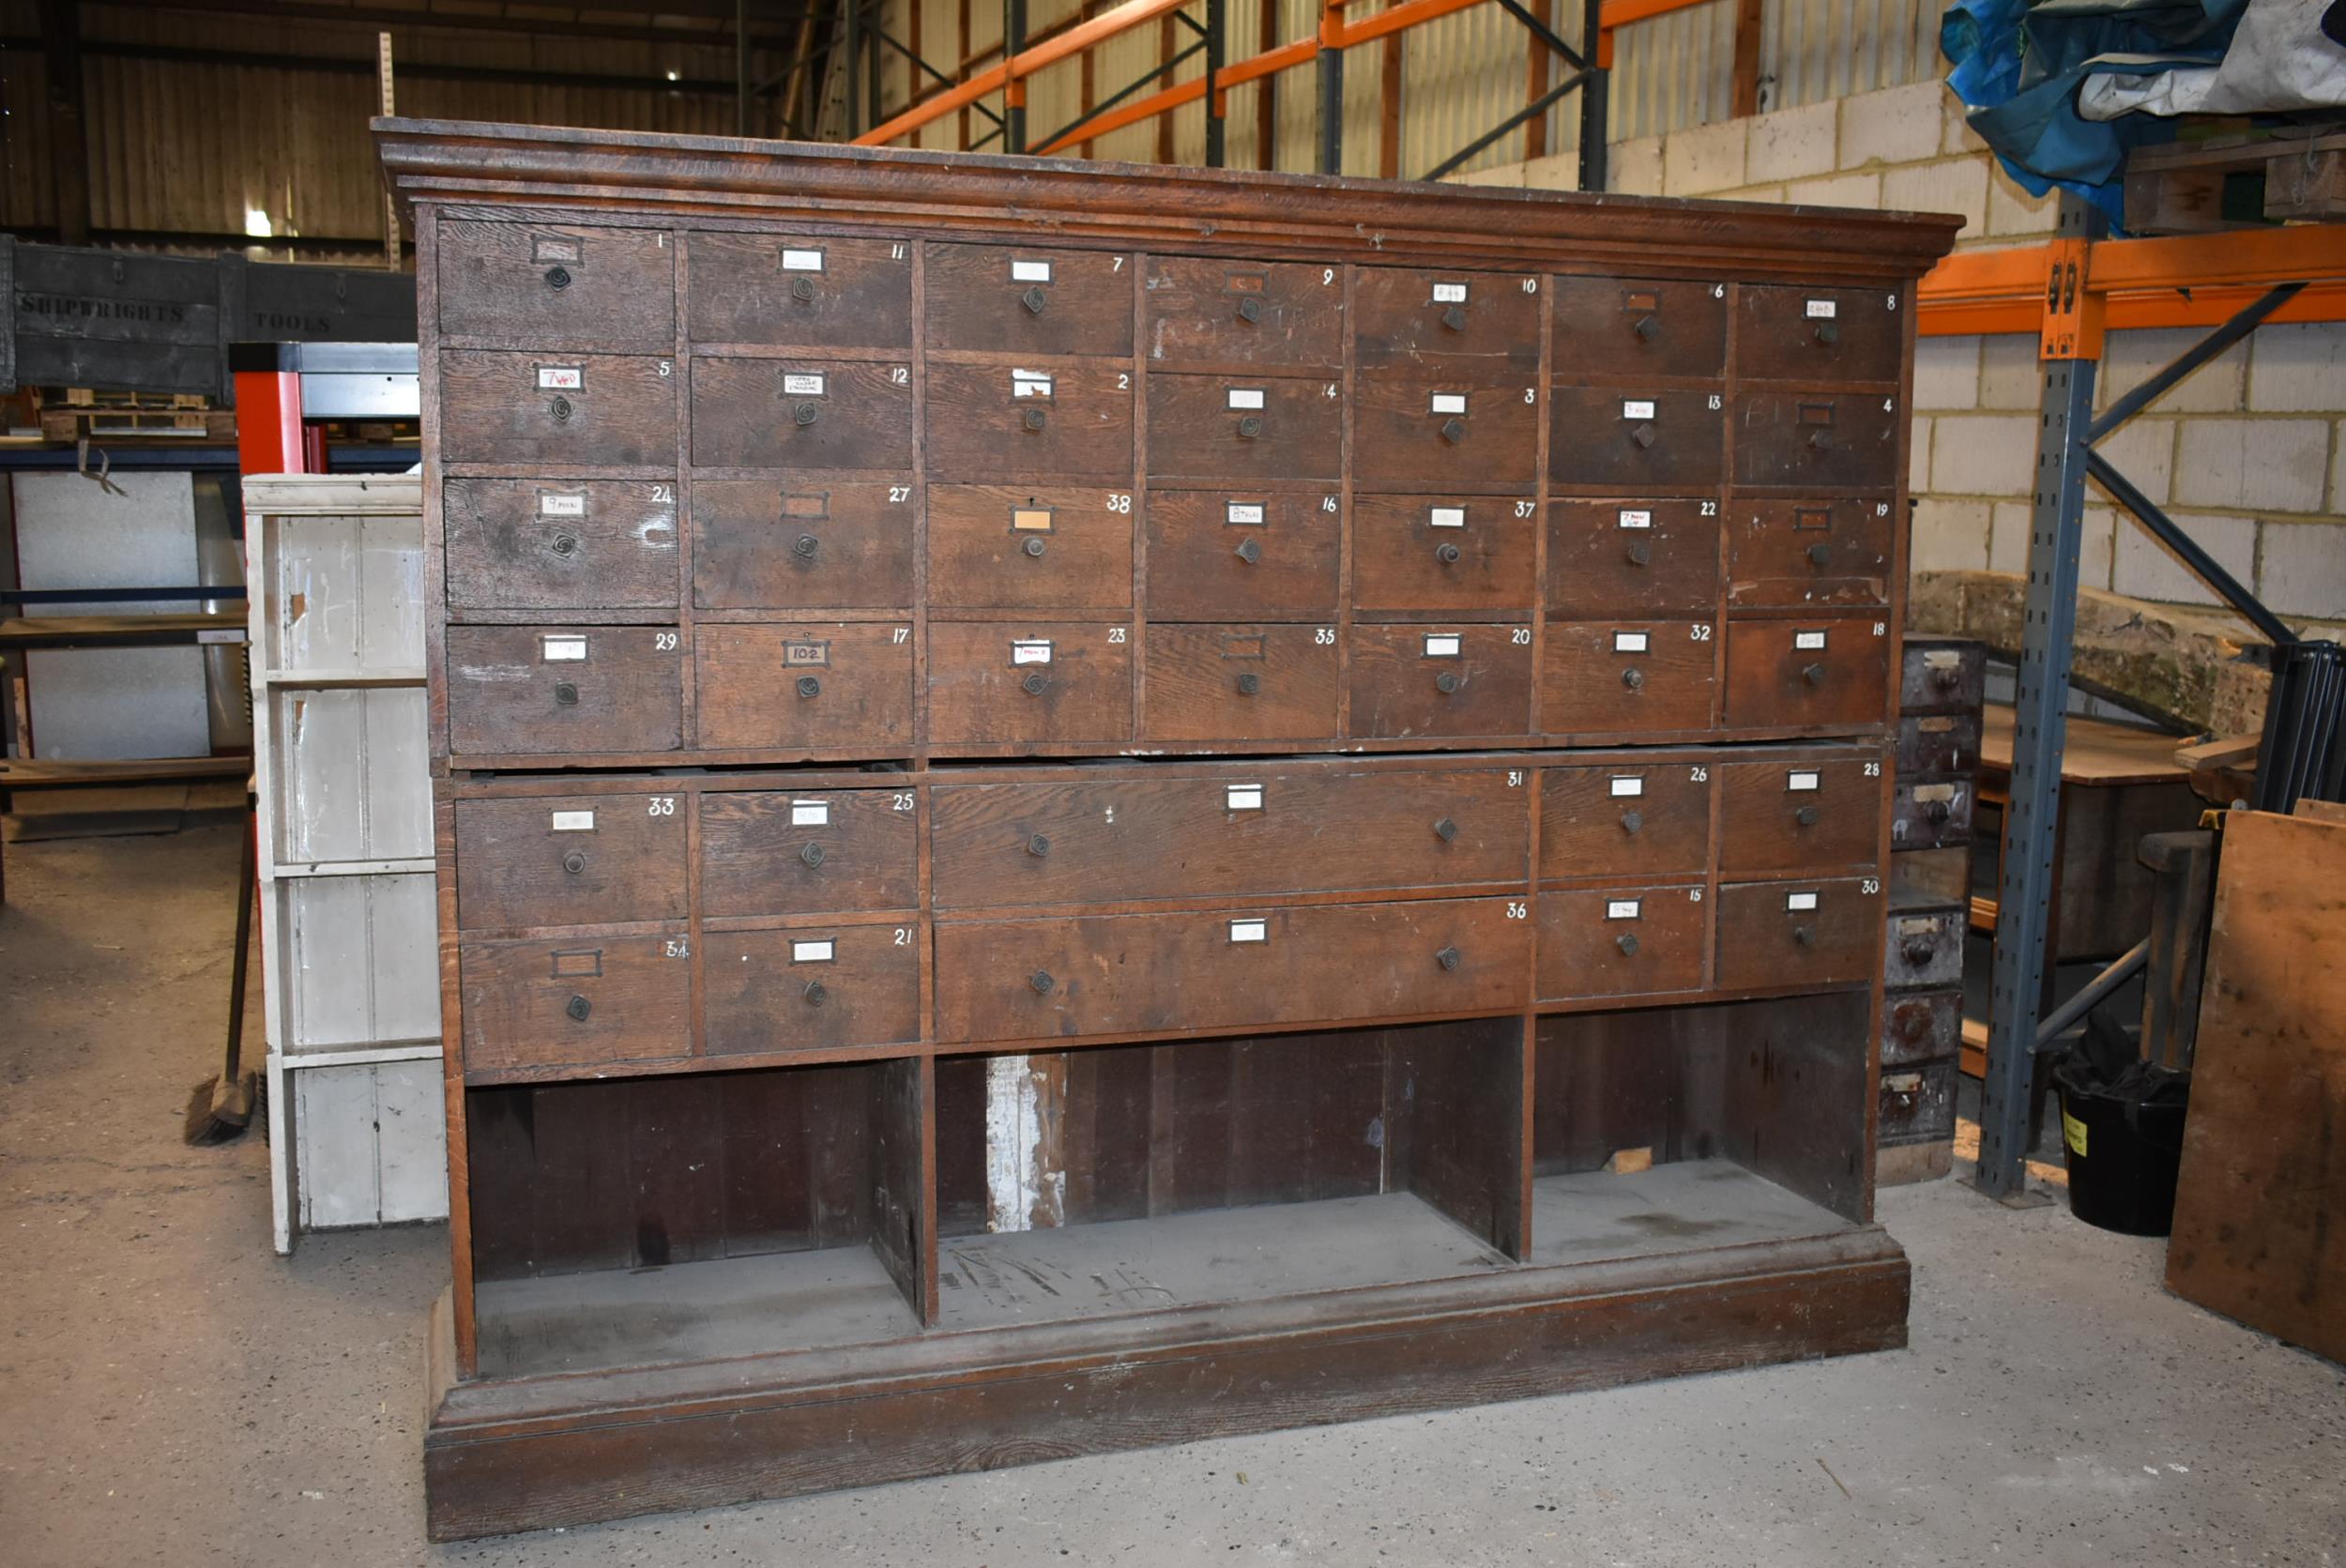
[[495, 169]]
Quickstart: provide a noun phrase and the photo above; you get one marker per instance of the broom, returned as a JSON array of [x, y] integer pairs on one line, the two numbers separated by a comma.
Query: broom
[[220, 1108]]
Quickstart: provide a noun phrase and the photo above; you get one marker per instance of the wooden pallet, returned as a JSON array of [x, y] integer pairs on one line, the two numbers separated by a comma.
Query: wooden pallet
[[72, 424], [2233, 182]]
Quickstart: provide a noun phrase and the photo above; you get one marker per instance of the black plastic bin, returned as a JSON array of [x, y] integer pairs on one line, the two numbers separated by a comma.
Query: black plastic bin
[[2124, 1144]]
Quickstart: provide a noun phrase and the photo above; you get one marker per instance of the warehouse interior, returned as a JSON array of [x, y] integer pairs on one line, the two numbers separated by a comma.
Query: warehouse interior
[[1119, 781]]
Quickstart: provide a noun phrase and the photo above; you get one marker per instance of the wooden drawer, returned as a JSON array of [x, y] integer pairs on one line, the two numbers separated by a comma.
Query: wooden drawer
[[1938, 745], [1444, 554], [590, 859], [806, 291], [808, 852], [1942, 677], [773, 544], [1416, 680], [1828, 672], [1638, 439], [562, 286], [1264, 682], [1917, 1104], [1820, 334], [1921, 1025], [552, 544], [1212, 972], [1071, 421], [1797, 554], [553, 407], [810, 685], [1254, 831], [1798, 816], [1780, 935], [1622, 942], [1416, 429], [1824, 439], [1926, 814], [575, 1003], [1060, 682], [1625, 820], [811, 414], [810, 987], [1005, 547], [1026, 299], [1405, 314], [1639, 327], [529, 690], [1603, 677], [1635, 557], [1201, 311], [1245, 427], [1260, 554], [1924, 947]]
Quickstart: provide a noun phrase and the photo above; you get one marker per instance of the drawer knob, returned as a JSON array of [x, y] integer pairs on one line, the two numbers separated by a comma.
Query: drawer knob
[[1820, 440], [804, 546], [1914, 1022], [1632, 821], [803, 290], [1820, 554], [1946, 677], [560, 410], [1917, 951], [565, 695], [1648, 328], [1446, 552], [1250, 425], [1828, 333], [812, 853], [1938, 811], [1038, 846], [814, 993], [1041, 982], [1643, 435], [1036, 683], [805, 414], [1454, 430], [578, 1007], [565, 545], [1455, 318], [1250, 309], [1249, 683], [1034, 419], [810, 686], [1805, 935], [1446, 682], [1445, 830], [1035, 300], [1640, 552], [1633, 678], [1805, 816], [558, 277], [1628, 942], [1813, 673], [574, 863], [1032, 547], [1248, 551], [1447, 958]]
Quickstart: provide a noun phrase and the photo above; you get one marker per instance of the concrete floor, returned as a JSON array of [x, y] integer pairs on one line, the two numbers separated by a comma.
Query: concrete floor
[[170, 1392]]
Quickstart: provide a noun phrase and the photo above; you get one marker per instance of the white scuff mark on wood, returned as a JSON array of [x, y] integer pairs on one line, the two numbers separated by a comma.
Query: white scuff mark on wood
[[1022, 1188]]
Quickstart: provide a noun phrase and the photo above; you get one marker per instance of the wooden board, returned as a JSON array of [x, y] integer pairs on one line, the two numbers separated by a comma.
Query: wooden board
[[2260, 1210], [2097, 754], [164, 627]]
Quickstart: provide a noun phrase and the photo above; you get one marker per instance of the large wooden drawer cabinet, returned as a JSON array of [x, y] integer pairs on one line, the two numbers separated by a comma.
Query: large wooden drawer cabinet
[[1084, 805]]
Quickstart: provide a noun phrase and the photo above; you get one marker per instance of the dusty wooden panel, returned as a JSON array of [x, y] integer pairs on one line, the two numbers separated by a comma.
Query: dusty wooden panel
[[351, 768], [343, 593], [359, 963]]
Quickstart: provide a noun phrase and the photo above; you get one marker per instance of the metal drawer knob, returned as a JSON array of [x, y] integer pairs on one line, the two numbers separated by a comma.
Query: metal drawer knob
[[565, 545], [1640, 552], [1648, 328], [1032, 547], [1946, 677], [1453, 431], [814, 993], [1805, 935], [1633, 678], [1249, 683], [1628, 942], [565, 695], [1632, 821], [574, 863], [804, 546], [560, 410], [1820, 440], [1041, 982], [1917, 951], [812, 853], [803, 290], [558, 277], [1250, 425], [1828, 333], [1805, 816], [1446, 682], [1914, 1022], [1820, 555], [1038, 846], [1455, 318], [1447, 958], [1034, 419], [1446, 552], [805, 414], [810, 686], [1035, 300], [1445, 830], [1643, 435], [1813, 673], [1250, 309], [1036, 683], [578, 1007], [1248, 551], [1938, 811]]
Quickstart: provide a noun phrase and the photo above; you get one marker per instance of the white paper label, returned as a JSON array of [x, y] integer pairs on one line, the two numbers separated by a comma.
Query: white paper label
[[1450, 294], [1246, 397], [560, 648], [1922, 925], [1928, 793], [1242, 798], [1808, 639], [1449, 402], [1445, 517], [1628, 786], [1822, 310], [1798, 902], [1630, 642], [1630, 519], [574, 822], [1442, 644], [224, 634], [1634, 409], [1030, 650], [810, 814], [561, 378], [811, 953], [1029, 272], [1800, 781], [803, 385], [1942, 658], [802, 261], [1624, 909], [1029, 384], [1246, 512], [1250, 931]]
